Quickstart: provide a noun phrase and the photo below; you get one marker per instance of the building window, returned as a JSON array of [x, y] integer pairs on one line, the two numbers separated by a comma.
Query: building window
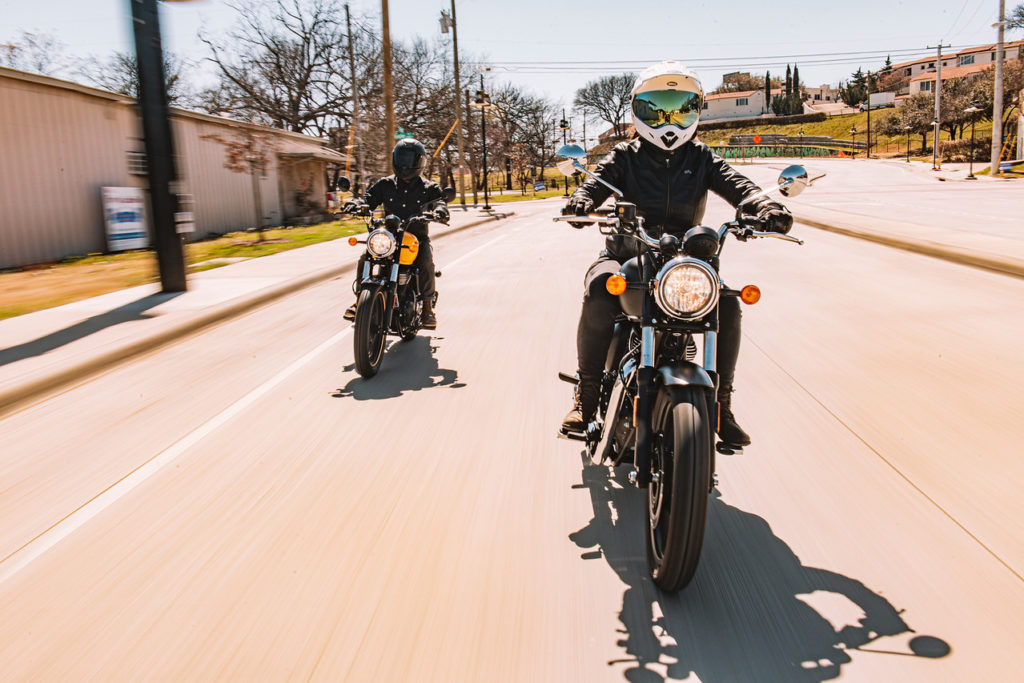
[[817, 96], [741, 101], [137, 163], [966, 59], [705, 104], [909, 71], [926, 86]]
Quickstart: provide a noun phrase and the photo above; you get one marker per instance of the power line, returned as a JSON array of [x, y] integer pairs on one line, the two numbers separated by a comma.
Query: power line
[[693, 60]]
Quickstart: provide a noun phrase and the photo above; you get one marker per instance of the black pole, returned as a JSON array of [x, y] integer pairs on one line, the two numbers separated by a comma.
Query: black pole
[[483, 132], [562, 123], [970, 174], [156, 130]]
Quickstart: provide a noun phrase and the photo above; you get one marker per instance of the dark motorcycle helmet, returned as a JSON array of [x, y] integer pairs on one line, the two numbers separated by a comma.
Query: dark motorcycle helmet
[[409, 159]]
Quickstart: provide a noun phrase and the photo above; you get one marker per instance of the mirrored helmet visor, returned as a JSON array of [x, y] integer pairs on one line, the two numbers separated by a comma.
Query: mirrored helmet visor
[[657, 108], [406, 157]]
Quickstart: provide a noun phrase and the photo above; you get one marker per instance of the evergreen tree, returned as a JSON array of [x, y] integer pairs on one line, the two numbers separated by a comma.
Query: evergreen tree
[[796, 79], [767, 91], [789, 81]]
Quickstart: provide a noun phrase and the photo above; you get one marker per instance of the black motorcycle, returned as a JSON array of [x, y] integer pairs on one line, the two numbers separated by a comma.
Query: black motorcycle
[[389, 288], [658, 406]]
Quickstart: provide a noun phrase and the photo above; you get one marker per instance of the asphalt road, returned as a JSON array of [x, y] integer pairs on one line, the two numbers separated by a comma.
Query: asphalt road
[[242, 506]]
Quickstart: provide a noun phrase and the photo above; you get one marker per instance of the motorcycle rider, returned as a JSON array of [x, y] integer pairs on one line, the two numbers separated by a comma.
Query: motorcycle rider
[[403, 194], [667, 173]]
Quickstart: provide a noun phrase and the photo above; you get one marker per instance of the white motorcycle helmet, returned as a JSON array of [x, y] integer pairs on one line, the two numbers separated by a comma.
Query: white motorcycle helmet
[[666, 106]]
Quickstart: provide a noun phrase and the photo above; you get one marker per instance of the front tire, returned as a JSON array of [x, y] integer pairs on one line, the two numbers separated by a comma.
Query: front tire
[[677, 504], [369, 334]]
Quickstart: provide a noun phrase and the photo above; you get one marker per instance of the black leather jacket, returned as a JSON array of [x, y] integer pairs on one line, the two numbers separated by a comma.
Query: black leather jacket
[[404, 199], [669, 190]]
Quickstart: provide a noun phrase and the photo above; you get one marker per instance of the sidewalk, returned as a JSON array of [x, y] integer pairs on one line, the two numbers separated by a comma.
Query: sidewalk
[[46, 350], [908, 206]]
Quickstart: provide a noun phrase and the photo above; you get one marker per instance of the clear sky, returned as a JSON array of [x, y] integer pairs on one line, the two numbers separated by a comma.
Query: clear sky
[[714, 37]]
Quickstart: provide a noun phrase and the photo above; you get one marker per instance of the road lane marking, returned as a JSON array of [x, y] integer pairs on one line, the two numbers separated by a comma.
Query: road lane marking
[[47, 539]]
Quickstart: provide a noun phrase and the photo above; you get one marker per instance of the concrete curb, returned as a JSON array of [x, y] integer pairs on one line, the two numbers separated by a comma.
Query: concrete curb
[[49, 382], [1004, 265]]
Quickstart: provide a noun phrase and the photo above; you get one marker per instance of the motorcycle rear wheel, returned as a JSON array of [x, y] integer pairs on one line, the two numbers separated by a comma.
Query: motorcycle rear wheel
[[677, 503], [370, 334]]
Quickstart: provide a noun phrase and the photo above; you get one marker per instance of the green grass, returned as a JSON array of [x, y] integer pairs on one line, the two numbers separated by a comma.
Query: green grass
[[838, 127], [74, 279]]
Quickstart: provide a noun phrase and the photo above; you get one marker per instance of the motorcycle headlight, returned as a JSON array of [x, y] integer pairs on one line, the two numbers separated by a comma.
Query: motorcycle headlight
[[380, 243], [686, 288]]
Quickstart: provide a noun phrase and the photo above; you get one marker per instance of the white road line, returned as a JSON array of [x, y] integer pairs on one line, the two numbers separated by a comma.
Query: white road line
[[26, 554]]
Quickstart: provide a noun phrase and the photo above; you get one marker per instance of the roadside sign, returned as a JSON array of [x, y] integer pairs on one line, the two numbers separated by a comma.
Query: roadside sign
[[125, 217], [537, 187], [757, 139]]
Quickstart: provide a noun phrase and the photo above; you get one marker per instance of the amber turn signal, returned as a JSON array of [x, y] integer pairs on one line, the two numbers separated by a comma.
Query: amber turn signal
[[353, 241], [750, 294], [616, 285]]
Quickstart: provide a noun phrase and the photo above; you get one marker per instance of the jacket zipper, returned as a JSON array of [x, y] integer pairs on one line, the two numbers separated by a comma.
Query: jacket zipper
[[668, 189]]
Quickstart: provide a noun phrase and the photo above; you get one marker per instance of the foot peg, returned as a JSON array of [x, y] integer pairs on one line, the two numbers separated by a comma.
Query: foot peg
[[572, 436], [728, 448], [566, 377], [437, 273]]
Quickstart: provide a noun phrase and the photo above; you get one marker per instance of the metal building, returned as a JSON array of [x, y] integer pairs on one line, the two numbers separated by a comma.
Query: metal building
[[61, 142]]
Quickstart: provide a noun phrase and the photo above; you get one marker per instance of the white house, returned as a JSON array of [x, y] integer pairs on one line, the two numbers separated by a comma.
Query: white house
[[744, 104]]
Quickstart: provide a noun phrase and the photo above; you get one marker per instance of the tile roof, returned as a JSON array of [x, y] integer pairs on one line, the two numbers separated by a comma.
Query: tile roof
[[953, 72]]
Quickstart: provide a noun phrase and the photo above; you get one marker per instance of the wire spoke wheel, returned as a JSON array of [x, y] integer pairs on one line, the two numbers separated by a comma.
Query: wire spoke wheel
[[370, 333]]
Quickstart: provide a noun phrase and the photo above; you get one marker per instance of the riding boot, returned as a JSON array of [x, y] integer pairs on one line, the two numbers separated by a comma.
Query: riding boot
[[729, 431], [584, 405], [428, 318]]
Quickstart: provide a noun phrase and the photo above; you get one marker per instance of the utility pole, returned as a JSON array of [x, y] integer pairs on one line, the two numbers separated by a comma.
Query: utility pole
[[447, 21], [938, 103], [156, 129], [356, 123], [389, 91], [997, 102]]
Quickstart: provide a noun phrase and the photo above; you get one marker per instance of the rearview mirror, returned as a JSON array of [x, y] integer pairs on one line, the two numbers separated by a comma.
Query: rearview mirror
[[343, 184], [448, 194], [571, 154], [793, 180]]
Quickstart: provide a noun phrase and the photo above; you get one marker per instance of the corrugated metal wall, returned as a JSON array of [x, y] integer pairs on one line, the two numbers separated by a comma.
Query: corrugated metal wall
[[61, 142], [57, 149]]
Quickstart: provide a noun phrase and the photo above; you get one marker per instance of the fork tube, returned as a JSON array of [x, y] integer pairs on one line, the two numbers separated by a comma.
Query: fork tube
[[645, 382]]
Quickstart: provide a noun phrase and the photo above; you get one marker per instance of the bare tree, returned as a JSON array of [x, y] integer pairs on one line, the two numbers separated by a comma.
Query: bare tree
[[739, 82], [248, 151], [120, 73], [284, 64], [36, 52], [609, 96], [1016, 18]]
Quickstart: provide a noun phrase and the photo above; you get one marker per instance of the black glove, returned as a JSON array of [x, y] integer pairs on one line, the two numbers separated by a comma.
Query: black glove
[[441, 215], [578, 206], [776, 218]]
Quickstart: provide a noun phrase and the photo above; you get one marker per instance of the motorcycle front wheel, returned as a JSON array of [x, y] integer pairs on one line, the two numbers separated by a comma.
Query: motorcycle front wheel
[[369, 334], [677, 497]]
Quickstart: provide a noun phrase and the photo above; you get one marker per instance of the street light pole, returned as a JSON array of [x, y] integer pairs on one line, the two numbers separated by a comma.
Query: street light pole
[[938, 104], [458, 104], [564, 125], [156, 130], [482, 102], [907, 128], [972, 110], [355, 104]]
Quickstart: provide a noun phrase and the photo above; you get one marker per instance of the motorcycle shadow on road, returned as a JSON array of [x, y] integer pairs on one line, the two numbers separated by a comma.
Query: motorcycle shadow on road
[[748, 614], [407, 366]]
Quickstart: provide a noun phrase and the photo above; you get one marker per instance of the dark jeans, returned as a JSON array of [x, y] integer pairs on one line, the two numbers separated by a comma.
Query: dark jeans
[[597, 324], [425, 262]]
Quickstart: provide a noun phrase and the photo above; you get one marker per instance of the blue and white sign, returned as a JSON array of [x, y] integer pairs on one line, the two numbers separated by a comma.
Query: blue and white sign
[[537, 187], [124, 212]]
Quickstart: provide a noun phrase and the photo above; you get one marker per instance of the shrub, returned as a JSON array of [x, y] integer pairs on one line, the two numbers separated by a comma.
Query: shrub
[[960, 150]]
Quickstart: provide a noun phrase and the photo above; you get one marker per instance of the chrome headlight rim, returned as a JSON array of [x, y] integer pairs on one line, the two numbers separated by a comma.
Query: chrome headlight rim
[[688, 262], [371, 241]]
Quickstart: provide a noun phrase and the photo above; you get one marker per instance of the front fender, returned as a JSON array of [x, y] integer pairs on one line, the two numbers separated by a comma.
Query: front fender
[[685, 374]]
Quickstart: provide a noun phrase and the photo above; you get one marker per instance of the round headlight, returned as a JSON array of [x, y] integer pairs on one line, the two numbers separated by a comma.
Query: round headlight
[[687, 288], [380, 243]]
